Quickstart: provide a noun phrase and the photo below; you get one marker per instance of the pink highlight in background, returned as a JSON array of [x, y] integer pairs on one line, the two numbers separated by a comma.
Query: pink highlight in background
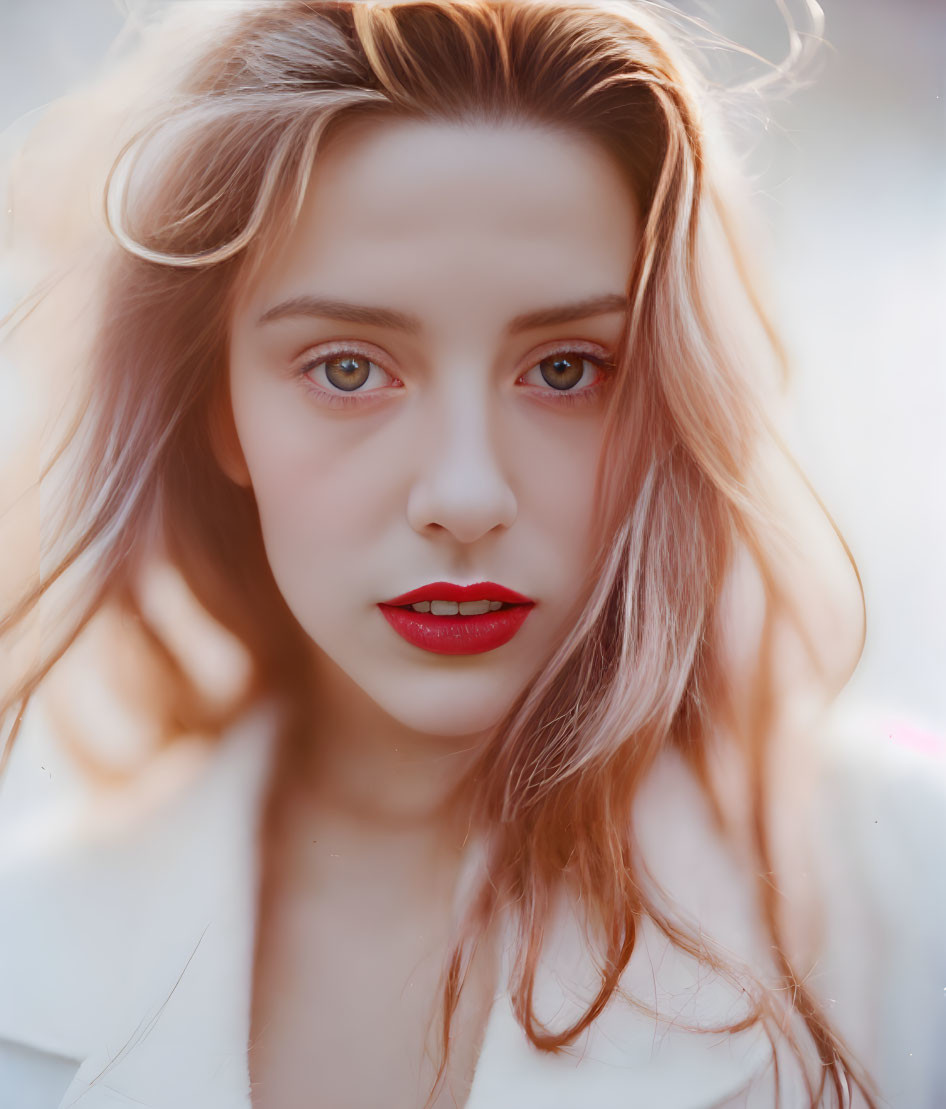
[[906, 734]]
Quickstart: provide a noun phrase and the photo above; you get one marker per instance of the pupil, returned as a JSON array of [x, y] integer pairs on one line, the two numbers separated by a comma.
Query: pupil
[[561, 372], [346, 372]]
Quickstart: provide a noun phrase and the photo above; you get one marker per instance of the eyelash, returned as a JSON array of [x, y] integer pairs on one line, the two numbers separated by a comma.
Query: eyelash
[[562, 397]]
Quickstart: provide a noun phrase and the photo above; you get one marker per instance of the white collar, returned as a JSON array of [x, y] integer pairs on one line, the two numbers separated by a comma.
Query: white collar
[[170, 1030]]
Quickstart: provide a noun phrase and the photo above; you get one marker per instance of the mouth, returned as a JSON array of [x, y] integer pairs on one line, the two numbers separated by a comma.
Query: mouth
[[457, 620]]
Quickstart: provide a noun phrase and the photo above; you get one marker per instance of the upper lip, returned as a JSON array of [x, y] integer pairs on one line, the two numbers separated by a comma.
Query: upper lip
[[447, 591]]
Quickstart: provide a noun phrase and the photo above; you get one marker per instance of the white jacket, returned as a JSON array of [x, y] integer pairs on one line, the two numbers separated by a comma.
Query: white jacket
[[126, 959]]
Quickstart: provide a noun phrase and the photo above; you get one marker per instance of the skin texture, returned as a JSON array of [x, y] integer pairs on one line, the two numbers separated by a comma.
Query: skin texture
[[459, 463]]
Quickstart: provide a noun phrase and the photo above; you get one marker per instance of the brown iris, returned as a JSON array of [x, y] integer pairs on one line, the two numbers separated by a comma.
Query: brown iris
[[562, 371], [347, 372]]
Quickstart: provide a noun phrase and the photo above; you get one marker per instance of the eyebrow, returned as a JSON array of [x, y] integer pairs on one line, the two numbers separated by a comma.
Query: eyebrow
[[330, 308]]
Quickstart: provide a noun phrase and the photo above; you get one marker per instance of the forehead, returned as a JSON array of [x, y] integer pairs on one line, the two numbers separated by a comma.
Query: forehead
[[500, 218]]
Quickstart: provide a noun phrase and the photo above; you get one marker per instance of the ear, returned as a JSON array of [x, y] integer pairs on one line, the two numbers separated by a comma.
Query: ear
[[224, 440]]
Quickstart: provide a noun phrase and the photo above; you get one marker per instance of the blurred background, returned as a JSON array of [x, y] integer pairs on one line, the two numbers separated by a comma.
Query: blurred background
[[850, 177]]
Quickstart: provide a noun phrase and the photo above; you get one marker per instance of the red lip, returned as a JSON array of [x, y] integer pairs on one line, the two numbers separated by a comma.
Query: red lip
[[445, 591], [456, 635]]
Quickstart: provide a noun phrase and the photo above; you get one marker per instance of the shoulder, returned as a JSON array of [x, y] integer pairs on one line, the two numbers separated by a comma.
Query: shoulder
[[878, 841], [880, 802], [861, 867], [98, 886]]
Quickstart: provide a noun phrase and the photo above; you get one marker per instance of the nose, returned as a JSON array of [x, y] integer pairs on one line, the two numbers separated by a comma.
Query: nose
[[461, 486]]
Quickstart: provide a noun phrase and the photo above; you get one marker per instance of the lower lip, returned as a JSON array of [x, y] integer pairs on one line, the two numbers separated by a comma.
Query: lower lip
[[456, 635]]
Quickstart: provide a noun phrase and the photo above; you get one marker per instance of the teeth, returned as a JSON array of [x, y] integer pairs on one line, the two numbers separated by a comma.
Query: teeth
[[473, 608], [452, 608]]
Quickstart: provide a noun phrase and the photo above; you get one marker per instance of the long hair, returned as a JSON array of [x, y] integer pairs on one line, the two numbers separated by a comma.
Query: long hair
[[212, 162]]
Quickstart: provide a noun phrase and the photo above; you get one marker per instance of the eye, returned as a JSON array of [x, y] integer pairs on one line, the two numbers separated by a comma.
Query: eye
[[341, 377], [564, 371]]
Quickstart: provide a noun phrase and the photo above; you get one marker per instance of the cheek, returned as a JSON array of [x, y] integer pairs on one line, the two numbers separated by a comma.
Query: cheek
[[557, 472], [316, 486], [556, 477]]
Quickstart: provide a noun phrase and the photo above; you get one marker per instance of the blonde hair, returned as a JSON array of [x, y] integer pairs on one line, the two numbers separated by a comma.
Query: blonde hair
[[216, 152]]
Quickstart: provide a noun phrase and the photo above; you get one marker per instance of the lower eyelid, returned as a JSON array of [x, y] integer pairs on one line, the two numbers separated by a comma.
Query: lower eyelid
[[338, 398]]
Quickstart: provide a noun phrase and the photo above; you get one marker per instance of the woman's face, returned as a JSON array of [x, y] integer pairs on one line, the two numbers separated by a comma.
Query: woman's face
[[419, 379]]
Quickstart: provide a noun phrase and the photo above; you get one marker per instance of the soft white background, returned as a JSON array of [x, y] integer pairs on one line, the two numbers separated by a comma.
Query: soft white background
[[851, 179]]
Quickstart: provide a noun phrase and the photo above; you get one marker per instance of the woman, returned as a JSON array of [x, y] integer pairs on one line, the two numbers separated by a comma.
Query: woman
[[426, 358]]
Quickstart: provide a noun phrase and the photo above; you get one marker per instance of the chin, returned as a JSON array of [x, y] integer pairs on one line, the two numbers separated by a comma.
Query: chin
[[453, 697], [473, 714]]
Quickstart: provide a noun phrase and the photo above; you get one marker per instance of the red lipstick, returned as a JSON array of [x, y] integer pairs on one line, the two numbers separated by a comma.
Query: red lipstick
[[458, 634]]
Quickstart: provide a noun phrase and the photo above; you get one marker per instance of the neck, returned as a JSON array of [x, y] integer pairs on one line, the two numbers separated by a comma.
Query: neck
[[364, 769]]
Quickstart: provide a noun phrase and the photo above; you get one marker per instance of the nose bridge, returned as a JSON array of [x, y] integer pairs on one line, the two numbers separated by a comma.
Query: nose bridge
[[461, 482]]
